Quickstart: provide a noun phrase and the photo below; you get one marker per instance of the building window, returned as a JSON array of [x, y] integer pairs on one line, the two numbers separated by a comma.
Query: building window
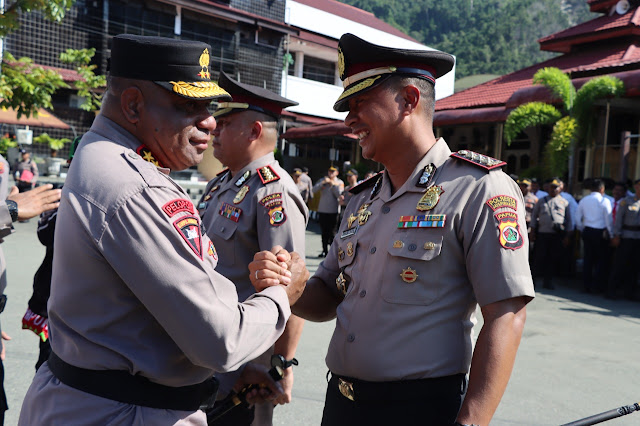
[[319, 70]]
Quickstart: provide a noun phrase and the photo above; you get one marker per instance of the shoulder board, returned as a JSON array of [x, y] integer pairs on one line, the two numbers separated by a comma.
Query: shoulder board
[[147, 170], [267, 174], [480, 160], [223, 171], [365, 184]]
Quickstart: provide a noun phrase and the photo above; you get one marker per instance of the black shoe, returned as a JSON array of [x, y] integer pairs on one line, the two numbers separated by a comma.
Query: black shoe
[[323, 254]]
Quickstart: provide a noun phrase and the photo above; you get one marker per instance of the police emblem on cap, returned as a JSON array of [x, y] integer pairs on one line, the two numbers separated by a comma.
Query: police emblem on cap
[[204, 63], [341, 63]]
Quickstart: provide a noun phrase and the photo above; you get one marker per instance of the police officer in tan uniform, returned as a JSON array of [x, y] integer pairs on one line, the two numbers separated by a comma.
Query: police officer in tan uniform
[[626, 239], [139, 319], [252, 205], [550, 223], [420, 246]]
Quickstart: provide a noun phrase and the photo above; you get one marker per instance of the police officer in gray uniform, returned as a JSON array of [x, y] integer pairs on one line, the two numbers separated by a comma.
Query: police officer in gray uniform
[[626, 237], [139, 318], [252, 205], [550, 223], [420, 246]]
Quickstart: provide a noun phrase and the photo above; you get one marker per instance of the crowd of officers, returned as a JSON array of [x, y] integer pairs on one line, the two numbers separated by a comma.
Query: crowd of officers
[[608, 226]]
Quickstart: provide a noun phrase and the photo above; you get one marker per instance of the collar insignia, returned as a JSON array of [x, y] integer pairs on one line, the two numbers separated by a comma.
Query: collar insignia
[[147, 155], [376, 188], [427, 175], [242, 179]]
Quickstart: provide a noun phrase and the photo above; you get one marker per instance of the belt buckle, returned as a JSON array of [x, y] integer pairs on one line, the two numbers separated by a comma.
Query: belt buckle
[[346, 389]]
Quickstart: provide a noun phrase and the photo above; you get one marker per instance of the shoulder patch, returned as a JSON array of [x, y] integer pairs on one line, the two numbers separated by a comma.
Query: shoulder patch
[[365, 184], [189, 229], [480, 160], [267, 174], [178, 205], [500, 201]]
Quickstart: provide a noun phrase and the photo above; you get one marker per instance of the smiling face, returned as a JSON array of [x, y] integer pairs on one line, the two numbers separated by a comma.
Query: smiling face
[[176, 129], [373, 117]]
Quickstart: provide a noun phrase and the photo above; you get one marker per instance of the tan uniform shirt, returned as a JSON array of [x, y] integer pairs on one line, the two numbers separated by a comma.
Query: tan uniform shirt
[[548, 211], [134, 287], [530, 201], [414, 282], [6, 225], [242, 216], [628, 215]]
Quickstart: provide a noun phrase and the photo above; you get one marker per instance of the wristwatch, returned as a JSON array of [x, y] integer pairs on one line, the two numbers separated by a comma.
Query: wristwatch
[[278, 364], [13, 209]]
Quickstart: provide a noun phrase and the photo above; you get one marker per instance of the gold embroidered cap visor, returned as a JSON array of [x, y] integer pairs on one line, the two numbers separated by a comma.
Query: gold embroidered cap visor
[[363, 65], [180, 66]]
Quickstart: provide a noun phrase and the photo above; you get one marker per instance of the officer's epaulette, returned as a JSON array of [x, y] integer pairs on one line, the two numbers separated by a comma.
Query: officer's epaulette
[[365, 184], [223, 171], [267, 174], [480, 160]]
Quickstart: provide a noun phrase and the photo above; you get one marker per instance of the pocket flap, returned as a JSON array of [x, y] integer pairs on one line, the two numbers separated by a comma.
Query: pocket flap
[[424, 244]]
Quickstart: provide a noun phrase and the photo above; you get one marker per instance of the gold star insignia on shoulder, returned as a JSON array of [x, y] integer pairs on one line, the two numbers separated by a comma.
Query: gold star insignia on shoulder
[[267, 174]]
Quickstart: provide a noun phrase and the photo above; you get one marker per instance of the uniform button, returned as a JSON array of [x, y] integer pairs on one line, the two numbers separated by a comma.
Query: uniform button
[[351, 338], [386, 209], [363, 293], [133, 155], [222, 229], [412, 247], [373, 250]]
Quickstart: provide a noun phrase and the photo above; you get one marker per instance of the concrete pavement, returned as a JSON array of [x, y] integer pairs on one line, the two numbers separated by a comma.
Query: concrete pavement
[[578, 356]]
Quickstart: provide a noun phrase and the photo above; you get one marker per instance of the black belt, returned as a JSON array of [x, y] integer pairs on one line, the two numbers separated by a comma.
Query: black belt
[[119, 385], [361, 390], [631, 228]]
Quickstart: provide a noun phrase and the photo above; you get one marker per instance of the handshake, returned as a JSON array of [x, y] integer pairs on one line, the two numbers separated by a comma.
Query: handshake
[[279, 267]]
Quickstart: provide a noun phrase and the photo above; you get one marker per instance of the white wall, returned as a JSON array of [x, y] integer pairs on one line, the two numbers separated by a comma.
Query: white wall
[[315, 98], [334, 26]]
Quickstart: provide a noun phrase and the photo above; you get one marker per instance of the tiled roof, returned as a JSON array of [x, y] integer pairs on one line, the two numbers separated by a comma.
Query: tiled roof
[[496, 92], [354, 14], [601, 5], [595, 29], [67, 75]]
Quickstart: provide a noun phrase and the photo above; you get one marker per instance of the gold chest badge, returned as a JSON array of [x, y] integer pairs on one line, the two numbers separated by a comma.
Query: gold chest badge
[[409, 275], [430, 198], [241, 194]]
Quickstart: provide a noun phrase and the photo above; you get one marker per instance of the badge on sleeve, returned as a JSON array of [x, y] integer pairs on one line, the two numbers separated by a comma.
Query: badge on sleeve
[[277, 216], [178, 205], [189, 228], [212, 251], [510, 236], [501, 201]]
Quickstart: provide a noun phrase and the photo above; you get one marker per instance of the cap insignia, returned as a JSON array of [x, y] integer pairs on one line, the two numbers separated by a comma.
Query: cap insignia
[[341, 63], [204, 63], [198, 89]]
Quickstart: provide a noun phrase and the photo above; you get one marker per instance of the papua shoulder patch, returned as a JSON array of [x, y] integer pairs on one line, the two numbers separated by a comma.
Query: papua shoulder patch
[[501, 201], [230, 212], [277, 216], [189, 228], [272, 200], [267, 174], [480, 160], [510, 236], [178, 205]]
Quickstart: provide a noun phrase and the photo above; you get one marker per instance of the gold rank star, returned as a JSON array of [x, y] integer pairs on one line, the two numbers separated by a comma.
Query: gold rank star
[[148, 156]]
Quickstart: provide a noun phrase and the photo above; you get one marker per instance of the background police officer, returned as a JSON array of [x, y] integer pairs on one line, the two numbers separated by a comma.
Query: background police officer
[[419, 247], [252, 205]]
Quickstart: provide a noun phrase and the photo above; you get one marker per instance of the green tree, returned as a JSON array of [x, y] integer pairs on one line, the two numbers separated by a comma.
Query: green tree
[[572, 120], [53, 10], [87, 87], [26, 87]]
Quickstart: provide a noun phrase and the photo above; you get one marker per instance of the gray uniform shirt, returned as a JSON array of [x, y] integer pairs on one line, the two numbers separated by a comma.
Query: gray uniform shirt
[[628, 215], [414, 282], [134, 286], [6, 226], [548, 211], [328, 196], [243, 216]]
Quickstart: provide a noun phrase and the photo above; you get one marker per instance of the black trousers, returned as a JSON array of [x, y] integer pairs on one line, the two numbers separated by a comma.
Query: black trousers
[[548, 251], [412, 402], [625, 268], [328, 227], [594, 266]]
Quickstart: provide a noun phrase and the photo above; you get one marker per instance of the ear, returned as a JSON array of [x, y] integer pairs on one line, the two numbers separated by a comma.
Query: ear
[[131, 101], [411, 98], [256, 130]]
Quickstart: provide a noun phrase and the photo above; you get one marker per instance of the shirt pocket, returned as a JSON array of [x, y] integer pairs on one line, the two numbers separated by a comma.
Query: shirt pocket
[[347, 251], [412, 274], [221, 233]]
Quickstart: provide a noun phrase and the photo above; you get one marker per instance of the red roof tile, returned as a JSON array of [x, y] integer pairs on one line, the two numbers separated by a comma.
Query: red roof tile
[[67, 75], [498, 91], [354, 14], [596, 29]]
